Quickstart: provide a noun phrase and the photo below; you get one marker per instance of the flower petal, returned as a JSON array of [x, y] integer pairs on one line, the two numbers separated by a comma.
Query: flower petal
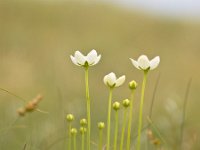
[[74, 60], [120, 81], [143, 62], [97, 60], [105, 79], [110, 79], [91, 57], [80, 58], [154, 62], [113, 76], [135, 63]]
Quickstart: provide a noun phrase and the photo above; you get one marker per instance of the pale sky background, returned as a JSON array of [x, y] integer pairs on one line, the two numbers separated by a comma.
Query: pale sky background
[[183, 9]]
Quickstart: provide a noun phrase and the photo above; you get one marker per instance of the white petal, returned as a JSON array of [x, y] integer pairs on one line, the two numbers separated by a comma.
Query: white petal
[[112, 76], [97, 60], [110, 79], [154, 62], [135, 63], [91, 57], [80, 58], [74, 60], [105, 79], [120, 81], [143, 62]]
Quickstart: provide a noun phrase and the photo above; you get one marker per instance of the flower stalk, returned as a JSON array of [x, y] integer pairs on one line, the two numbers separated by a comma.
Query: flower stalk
[[130, 121], [69, 142], [74, 132], [88, 105], [101, 126], [83, 141], [109, 117], [116, 107], [126, 104], [141, 110], [82, 131], [132, 86], [69, 118], [100, 140], [116, 130]]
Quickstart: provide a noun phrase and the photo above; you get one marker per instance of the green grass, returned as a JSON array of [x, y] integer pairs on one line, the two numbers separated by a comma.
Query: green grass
[[36, 39]]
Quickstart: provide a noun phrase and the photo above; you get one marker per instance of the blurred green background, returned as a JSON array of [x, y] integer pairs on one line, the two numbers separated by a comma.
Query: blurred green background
[[36, 40]]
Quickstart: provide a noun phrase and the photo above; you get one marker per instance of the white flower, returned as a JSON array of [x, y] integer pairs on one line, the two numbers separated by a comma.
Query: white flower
[[112, 81], [80, 60], [143, 63]]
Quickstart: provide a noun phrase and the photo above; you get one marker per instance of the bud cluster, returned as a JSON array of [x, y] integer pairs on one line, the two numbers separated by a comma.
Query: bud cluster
[[70, 117], [101, 125], [116, 106], [126, 103]]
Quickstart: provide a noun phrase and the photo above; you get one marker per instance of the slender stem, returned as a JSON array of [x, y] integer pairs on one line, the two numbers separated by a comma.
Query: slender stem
[[88, 106], [141, 110], [123, 129], [156, 130], [116, 130], [83, 141], [20, 98], [184, 111], [109, 116], [69, 130], [130, 121], [100, 139], [74, 141], [154, 95]]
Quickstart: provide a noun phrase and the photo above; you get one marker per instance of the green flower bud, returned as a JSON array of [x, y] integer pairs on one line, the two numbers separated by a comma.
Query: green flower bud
[[101, 125], [83, 130], [73, 131], [83, 122], [116, 106], [70, 117], [126, 103], [133, 85]]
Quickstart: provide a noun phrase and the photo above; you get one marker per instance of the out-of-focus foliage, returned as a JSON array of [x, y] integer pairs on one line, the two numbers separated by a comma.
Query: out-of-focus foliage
[[36, 40]]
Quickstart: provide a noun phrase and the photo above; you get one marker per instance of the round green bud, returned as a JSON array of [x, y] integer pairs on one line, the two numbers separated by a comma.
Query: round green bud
[[126, 103], [101, 125], [83, 130], [133, 85], [83, 122], [73, 131], [70, 117], [116, 106]]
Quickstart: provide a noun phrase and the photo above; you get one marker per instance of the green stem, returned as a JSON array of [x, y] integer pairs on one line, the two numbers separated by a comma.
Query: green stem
[[184, 112], [109, 116], [123, 129], [141, 110], [156, 130], [116, 130], [20, 98], [88, 107], [83, 141], [130, 121], [69, 130], [74, 141], [100, 139]]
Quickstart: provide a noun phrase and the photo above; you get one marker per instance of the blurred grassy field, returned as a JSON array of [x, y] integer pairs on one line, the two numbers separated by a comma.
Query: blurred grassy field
[[36, 40]]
